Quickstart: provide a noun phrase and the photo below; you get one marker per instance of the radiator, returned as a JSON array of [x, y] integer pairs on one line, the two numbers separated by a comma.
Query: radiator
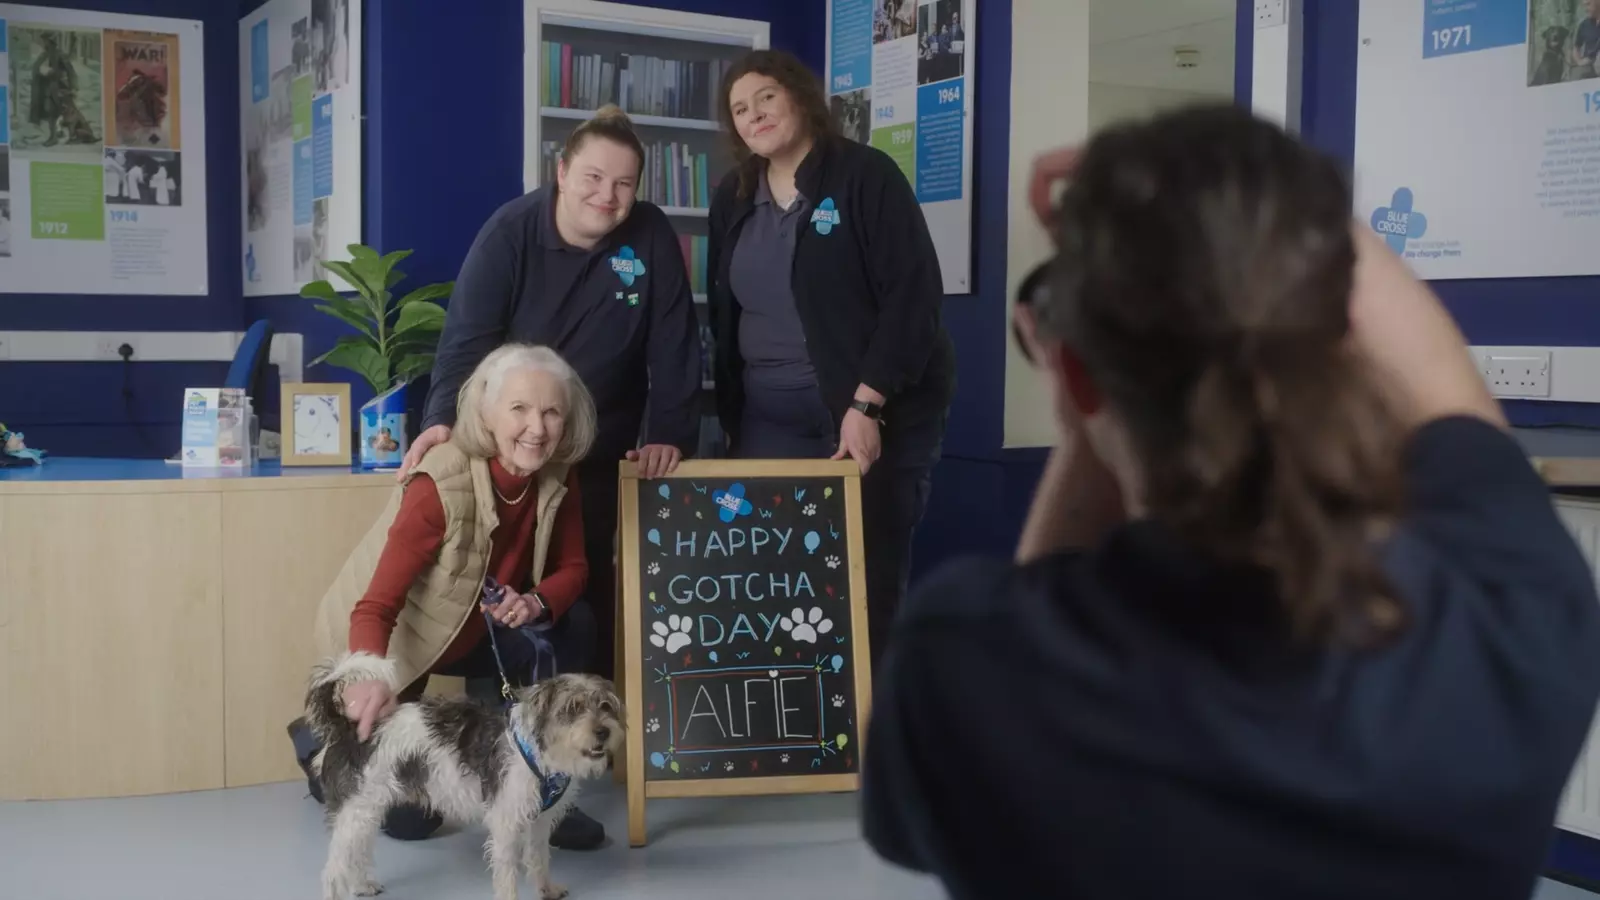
[[1580, 804]]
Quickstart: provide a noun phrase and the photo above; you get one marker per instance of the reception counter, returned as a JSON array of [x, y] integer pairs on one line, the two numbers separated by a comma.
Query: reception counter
[[155, 625]]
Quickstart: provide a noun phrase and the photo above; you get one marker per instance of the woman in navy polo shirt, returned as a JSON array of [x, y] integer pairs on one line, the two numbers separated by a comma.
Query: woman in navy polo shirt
[[584, 268], [825, 305], [1292, 615]]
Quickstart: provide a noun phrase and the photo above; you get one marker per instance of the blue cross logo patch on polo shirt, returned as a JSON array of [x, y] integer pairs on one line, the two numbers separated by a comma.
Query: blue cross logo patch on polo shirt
[[825, 216], [627, 266]]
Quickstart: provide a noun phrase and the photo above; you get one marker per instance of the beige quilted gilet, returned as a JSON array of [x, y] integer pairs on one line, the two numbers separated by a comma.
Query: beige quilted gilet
[[442, 598]]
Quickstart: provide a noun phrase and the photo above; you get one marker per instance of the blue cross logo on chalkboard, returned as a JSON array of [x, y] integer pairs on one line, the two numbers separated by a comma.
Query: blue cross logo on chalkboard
[[731, 502], [627, 266], [1399, 221]]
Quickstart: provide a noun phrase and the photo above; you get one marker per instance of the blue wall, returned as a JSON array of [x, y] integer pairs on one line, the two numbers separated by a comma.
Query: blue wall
[[109, 408], [443, 141], [443, 146]]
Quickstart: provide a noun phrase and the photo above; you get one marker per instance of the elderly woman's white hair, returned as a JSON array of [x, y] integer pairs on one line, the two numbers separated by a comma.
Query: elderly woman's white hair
[[472, 432]]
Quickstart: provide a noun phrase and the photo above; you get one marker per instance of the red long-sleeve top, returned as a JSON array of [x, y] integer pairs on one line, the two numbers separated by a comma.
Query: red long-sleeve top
[[413, 545]]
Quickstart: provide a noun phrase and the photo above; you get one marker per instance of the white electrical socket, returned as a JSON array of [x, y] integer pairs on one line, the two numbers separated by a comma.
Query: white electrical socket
[[1270, 13], [1525, 375], [106, 346]]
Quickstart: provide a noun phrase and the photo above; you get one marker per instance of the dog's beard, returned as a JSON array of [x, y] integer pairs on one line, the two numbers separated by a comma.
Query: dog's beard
[[577, 721], [576, 748]]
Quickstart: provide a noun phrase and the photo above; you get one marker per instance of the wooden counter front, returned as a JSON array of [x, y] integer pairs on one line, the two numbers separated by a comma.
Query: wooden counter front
[[155, 630]]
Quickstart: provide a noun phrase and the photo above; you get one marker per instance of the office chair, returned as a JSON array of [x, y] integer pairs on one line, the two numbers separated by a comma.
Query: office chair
[[250, 360]]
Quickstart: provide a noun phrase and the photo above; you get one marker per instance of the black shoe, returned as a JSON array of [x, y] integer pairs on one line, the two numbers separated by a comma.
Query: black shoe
[[577, 832], [411, 823], [305, 748]]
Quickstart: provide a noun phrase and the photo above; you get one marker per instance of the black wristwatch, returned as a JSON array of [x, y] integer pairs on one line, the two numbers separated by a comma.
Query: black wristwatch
[[873, 411]]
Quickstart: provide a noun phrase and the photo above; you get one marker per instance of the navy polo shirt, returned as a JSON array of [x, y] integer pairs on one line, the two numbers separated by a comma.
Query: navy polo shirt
[[621, 314], [771, 339], [1133, 721]]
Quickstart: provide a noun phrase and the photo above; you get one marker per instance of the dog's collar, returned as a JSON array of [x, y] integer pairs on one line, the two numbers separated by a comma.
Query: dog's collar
[[552, 787]]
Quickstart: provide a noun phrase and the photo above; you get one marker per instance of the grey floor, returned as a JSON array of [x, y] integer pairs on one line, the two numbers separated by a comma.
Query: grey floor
[[267, 843]]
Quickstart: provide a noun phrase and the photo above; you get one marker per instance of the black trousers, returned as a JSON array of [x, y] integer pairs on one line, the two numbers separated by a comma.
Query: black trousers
[[572, 637], [597, 483], [796, 424]]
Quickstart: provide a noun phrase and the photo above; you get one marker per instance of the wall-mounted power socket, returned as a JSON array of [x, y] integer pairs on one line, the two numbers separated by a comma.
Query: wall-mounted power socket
[[1520, 375], [116, 347], [1270, 13]]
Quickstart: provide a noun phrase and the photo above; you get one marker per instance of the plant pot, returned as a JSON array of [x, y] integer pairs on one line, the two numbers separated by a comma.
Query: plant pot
[[384, 437]]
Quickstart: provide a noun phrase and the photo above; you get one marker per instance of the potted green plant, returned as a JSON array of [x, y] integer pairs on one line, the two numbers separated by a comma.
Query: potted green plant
[[394, 341]]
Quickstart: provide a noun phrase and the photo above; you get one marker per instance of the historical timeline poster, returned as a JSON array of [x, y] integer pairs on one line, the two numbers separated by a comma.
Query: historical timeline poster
[[900, 75], [300, 95], [1478, 134], [98, 192]]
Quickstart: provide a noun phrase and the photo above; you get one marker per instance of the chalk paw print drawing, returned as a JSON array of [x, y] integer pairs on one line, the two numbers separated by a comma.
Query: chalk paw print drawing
[[731, 503], [1399, 221], [838, 701], [628, 267], [825, 216], [653, 568], [784, 759], [832, 561], [803, 626], [673, 635], [664, 513], [810, 509], [653, 725], [727, 767]]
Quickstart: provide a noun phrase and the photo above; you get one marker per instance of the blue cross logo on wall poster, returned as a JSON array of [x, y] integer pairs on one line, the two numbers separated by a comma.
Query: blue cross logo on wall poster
[[627, 266], [1399, 221]]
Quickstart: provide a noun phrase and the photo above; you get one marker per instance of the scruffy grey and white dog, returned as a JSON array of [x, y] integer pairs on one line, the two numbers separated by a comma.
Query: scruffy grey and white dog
[[516, 770]]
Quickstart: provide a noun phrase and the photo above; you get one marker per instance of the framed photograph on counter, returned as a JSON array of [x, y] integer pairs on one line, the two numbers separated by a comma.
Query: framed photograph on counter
[[316, 424]]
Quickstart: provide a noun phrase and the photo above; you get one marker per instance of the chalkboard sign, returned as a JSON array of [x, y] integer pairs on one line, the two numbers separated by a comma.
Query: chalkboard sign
[[745, 647]]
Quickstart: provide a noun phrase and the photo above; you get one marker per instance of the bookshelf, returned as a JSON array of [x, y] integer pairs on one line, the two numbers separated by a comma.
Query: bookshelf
[[664, 68]]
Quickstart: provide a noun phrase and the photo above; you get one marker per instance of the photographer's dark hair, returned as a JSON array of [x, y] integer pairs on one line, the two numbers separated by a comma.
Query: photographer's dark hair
[[804, 89], [1204, 273]]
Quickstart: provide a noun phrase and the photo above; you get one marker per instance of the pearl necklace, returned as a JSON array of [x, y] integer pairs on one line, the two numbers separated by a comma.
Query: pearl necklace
[[507, 500]]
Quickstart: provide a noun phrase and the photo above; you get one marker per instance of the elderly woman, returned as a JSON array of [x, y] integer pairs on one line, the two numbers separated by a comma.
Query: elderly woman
[[486, 533]]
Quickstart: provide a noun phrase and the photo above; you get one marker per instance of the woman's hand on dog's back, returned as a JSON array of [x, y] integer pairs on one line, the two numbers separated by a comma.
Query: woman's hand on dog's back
[[366, 703]]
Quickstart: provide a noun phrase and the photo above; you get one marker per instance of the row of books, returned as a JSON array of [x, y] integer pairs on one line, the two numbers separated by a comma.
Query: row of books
[[642, 85], [694, 260], [674, 175]]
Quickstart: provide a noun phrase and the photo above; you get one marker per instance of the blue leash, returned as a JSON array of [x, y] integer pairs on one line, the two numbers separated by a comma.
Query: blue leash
[[492, 595], [551, 786]]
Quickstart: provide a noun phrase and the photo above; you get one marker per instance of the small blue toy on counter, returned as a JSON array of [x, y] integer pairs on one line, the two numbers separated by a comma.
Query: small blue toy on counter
[[15, 452]]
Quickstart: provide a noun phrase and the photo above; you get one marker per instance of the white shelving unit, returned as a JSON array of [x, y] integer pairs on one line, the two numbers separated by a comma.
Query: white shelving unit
[[639, 120], [615, 32], [673, 62]]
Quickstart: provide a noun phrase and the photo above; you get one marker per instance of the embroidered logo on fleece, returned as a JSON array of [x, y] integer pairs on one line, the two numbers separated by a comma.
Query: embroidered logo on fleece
[[628, 267], [825, 216]]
